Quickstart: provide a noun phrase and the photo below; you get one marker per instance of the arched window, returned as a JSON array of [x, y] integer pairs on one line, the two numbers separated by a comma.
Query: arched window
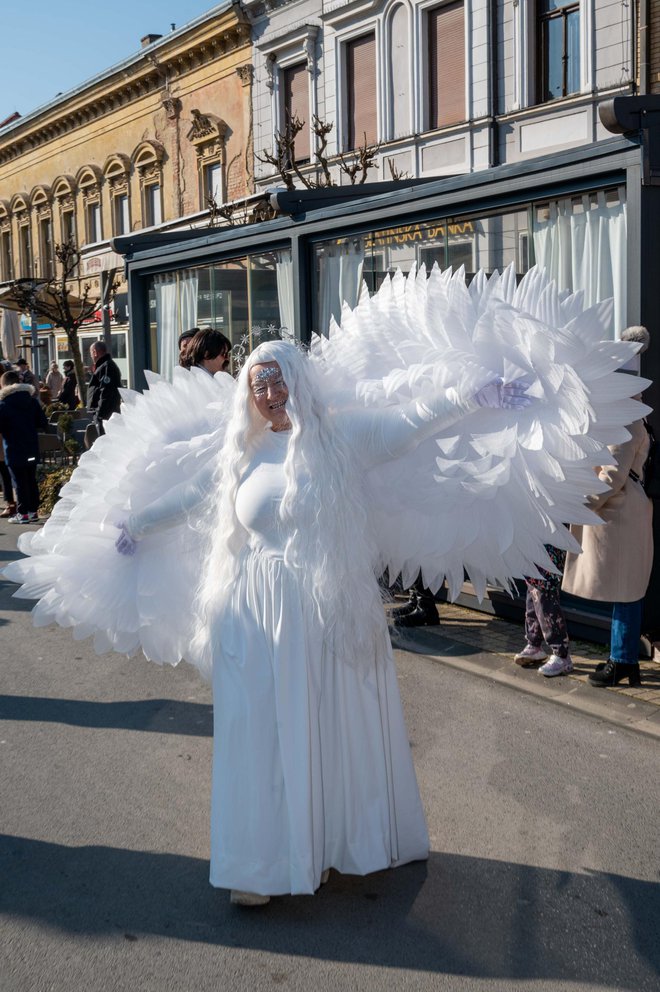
[[64, 196], [41, 202], [399, 69], [20, 208], [117, 172], [6, 254], [89, 181], [147, 160]]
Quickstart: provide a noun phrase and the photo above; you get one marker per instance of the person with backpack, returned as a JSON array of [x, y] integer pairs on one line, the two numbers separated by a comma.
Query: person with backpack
[[616, 560], [21, 419]]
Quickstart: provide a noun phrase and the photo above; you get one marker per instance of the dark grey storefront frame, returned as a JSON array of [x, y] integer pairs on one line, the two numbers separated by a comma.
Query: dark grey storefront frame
[[615, 161]]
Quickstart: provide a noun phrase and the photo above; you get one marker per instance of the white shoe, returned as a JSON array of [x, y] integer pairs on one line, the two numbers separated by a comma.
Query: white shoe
[[239, 898], [325, 875], [529, 655], [556, 666]]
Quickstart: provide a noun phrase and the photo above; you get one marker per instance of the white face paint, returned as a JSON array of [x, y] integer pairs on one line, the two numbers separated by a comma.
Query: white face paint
[[270, 393]]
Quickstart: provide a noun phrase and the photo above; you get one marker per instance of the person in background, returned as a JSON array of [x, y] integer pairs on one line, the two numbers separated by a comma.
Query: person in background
[[25, 374], [21, 419], [615, 564], [54, 380], [208, 350], [68, 394], [183, 342], [419, 611], [7, 485], [103, 391], [545, 621]]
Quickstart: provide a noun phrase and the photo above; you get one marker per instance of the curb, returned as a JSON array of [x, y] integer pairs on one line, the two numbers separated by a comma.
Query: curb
[[636, 715]]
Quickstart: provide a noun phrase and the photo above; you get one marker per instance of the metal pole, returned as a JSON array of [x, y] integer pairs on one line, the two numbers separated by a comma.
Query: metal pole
[[106, 334]]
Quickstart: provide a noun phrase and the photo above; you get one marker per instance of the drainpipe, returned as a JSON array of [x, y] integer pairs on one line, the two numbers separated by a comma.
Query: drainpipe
[[493, 85], [643, 47]]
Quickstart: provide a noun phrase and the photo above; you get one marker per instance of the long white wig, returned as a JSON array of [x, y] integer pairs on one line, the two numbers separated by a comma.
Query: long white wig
[[323, 512]]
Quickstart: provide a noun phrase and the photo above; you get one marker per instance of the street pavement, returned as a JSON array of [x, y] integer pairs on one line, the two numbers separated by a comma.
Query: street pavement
[[542, 798]]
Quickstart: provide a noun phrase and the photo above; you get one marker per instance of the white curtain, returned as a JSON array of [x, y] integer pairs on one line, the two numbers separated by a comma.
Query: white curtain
[[284, 267], [340, 279], [9, 334], [582, 246], [176, 311]]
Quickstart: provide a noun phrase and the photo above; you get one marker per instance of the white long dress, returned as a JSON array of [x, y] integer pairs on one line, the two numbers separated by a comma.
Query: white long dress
[[311, 761]]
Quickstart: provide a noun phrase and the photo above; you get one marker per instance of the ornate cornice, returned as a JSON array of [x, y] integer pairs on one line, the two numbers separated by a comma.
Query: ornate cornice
[[150, 76]]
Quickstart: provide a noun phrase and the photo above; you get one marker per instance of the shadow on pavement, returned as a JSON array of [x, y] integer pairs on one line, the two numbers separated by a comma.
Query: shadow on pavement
[[454, 914], [160, 716]]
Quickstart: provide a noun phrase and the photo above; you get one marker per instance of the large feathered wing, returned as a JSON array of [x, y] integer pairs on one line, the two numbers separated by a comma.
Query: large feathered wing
[[161, 438], [486, 494]]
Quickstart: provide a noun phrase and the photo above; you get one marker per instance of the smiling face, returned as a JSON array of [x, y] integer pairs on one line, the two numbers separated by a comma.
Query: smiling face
[[270, 393]]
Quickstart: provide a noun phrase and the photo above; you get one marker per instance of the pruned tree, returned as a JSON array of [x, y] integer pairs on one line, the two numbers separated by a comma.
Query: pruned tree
[[283, 156], [54, 301]]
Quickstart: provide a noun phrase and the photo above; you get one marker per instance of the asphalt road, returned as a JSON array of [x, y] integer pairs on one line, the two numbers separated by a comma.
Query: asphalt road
[[544, 872]]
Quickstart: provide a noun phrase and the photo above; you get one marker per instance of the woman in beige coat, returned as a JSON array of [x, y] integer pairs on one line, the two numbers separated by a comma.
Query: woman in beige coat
[[616, 559]]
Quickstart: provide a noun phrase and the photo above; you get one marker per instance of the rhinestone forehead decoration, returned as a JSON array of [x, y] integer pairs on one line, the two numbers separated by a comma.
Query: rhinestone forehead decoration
[[272, 372]]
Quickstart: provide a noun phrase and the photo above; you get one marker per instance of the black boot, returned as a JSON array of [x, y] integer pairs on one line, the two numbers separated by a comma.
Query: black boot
[[613, 672], [425, 613], [409, 607]]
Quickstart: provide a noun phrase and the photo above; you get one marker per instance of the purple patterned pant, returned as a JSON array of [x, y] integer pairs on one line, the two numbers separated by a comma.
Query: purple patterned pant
[[544, 619]]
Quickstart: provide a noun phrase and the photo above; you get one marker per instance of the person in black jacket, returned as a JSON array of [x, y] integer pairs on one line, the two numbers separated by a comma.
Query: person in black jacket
[[21, 419], [103, 390], [68, 394]]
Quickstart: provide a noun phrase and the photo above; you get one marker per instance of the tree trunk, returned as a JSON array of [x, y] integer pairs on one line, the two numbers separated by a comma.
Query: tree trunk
[[74, 347]]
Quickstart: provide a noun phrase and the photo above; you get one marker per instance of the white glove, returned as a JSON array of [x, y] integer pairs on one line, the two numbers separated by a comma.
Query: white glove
[[125, 544], [500, 395]]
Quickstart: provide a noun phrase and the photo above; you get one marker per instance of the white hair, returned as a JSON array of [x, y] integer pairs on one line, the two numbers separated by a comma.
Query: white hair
[[323, 511]]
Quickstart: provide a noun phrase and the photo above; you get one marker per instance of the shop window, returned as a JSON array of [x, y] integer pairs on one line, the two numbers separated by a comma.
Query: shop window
[[446, 63], [558, 49], [153, 213], [6, 259], [249, 299], [295, 103], [361, 105]]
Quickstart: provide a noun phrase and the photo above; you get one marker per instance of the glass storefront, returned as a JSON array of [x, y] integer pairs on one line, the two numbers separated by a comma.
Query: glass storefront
[[581, 241], [249, 299]]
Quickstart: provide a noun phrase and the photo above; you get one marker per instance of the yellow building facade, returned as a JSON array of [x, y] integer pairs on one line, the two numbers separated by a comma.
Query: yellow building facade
[[143, 144]]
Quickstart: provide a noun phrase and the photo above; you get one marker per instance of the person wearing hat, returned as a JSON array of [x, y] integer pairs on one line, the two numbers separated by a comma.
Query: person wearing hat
[[615, 564], [26, 375]]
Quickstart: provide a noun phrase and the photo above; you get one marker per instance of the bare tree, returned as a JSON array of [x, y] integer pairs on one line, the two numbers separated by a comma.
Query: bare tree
[[283, 157], [54, 301]]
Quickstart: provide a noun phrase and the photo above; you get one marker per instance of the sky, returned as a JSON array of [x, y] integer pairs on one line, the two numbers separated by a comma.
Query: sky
[[51, 46]]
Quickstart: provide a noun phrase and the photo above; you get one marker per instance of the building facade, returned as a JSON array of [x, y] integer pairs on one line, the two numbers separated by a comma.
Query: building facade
[[142, 145]]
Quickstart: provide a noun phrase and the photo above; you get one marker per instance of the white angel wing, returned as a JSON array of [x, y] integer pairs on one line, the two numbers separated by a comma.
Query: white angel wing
[[161, 438], [485, 495]]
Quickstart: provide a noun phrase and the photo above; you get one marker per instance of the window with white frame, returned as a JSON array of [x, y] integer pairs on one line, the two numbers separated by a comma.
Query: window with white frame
[[361, 102], [25, 248], [93, 221], [47, 259], [212, 182], [122, 216], [6, 259], [557, 49], [153, 212], [446, 65]]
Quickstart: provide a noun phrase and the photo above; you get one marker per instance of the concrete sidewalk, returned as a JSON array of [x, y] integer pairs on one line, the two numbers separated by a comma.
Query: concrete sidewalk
[[485, 645]]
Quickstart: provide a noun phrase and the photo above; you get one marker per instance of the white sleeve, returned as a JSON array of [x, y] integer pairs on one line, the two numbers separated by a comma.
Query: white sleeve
[[388, 433], [172, 505]]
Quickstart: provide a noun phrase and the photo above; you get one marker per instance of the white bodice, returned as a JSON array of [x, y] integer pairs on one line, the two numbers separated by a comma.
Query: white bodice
[[260, 494]]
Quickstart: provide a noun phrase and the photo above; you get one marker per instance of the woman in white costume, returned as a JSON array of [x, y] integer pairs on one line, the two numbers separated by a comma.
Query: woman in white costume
[[390, 447], [311, 763]]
